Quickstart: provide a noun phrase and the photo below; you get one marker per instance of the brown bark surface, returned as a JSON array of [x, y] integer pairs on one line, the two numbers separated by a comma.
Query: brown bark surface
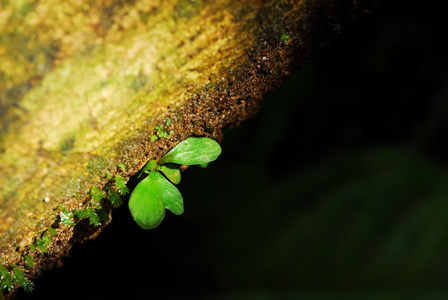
[[84, 85]]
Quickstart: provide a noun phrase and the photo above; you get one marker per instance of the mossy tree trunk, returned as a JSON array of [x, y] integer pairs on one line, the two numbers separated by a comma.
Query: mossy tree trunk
[[92, 90]]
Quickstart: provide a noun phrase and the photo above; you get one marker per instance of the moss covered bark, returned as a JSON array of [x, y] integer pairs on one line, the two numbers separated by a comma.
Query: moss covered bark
[[92, 90]]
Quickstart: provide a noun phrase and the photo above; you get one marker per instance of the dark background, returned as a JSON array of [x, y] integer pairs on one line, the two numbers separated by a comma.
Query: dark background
[[337, 189]]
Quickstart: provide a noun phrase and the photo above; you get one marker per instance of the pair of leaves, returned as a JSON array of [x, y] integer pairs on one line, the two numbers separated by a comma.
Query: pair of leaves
[[151, 197], [156, 193]]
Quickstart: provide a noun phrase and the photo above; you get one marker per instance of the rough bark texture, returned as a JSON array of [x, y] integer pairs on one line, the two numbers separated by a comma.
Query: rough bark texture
[[85, 83]]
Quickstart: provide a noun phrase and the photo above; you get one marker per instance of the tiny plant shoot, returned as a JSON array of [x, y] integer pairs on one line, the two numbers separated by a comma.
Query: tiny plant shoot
[[157, 192]]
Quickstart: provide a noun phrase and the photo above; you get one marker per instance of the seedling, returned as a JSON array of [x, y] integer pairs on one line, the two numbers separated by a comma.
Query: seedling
[[284, 38], [156, 192]]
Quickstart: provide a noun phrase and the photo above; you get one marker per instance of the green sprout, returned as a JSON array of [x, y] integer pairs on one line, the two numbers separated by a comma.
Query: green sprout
[[156, 192], [284, 38], [160, 132]]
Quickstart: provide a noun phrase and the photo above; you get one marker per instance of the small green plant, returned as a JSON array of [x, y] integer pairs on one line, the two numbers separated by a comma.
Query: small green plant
[[114, 198], [121, 185], [29, 260], [67, 217], [97, 196], [44, 242], [89, 213], [161, 132], [284, 38], [6, 280], [122, 167], [9, 279], [156, 192], [19, 277]]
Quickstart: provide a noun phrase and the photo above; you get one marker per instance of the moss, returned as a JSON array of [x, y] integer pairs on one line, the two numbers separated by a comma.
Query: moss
[[114, 198], [52, 231], [161, 132], [97, 164], [67, 144], [121, 185], [9, 279], [103, 215], [29, 260], [6, 280], [122, 167], [67, 218], [44, 242], [88, 213], [97, 196], [20, 278]]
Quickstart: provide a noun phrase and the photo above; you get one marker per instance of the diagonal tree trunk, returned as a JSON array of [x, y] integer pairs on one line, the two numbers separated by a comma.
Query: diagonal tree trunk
[[92, 90]]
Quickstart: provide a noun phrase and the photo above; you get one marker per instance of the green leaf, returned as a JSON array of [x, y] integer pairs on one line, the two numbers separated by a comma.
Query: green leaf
[[193, 151], [150, 166], [171, 172], [146, 202], [171, 196]]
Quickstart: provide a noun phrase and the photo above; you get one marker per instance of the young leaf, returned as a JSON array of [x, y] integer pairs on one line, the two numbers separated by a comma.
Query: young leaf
[[171, 196], [193, 151], [146, 202], [171, 172], [150, 166]]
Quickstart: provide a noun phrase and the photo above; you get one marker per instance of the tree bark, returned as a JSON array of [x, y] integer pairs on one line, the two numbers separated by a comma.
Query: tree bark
[[91, 91]]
